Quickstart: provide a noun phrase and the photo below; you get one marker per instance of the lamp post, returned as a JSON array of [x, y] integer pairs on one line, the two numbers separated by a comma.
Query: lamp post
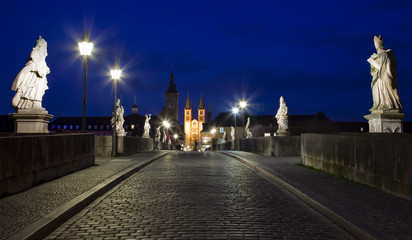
[[243, 104], [85, 47], [115, 72], [235, 110]]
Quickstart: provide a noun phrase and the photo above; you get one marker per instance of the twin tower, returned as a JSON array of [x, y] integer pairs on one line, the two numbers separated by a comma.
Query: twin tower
[[192, 127]]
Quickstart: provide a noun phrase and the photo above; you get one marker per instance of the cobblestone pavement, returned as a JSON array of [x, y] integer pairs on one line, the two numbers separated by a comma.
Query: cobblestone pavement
[[382, 215], [20, 210], [193, 195]]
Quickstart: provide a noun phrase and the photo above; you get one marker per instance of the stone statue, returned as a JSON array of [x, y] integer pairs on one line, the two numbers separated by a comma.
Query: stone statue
[[248, 132], [233, 133], [157, 136], [164, 136], [223, 140], [117, 120], [31, 82], [384, 79], [169, 141], [147, 126], [282, 116]]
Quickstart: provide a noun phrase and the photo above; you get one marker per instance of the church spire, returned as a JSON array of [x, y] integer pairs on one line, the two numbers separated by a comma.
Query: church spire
[[188, 105], [201, 104], [172, 85]]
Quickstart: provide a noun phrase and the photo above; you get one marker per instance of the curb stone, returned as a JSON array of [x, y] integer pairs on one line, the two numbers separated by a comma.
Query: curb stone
[[336, 218], [48, 223]]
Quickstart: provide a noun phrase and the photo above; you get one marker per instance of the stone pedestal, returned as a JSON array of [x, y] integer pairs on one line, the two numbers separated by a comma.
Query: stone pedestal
[[282, 133], [31, 120], [386, 121]]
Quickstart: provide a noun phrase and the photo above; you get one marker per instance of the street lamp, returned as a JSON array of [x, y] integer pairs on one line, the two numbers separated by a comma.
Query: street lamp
[[116, 73], [235, 110], [242, 105], [85, 47]]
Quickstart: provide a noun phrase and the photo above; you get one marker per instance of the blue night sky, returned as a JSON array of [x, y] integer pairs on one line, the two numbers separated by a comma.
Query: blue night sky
[[313, 53]]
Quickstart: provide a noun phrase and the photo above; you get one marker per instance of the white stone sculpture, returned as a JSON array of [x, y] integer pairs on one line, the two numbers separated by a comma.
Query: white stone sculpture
[[169, 141], [164, 136], [117, 120], [233, 133], [282, 117], [223, 140], [248, 132], [157, 136], [31, 82], [384, 79], [147, 126]]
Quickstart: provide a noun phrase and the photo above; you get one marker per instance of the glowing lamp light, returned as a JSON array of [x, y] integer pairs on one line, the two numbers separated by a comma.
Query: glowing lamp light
[[213, 131], [85, 46], [116, 72], [235, 110], [242, 104], [166, 124], [175, 136]]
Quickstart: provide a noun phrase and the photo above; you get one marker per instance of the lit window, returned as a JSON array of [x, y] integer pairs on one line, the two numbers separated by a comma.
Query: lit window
[[361, 129], [58, 126], [53, 127], [71, 127], [221, 130], [65, 127], [107, 126], [77, 127], [267, 135], [95, 127], [132, 126], [89, 127]]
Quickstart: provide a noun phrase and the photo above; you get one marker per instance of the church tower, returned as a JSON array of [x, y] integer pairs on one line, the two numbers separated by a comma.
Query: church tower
[[201, 114], [170, 111], [188, 122]]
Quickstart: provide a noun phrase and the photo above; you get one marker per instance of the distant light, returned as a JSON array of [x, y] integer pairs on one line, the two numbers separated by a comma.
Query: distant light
[[175, 136], [132, 126], [166, 124], [85, 46], [116, 72], [235, 110], [213, 130], [243, 104]]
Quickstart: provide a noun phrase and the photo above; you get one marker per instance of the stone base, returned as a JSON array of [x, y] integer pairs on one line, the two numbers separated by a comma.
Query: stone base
[[386, 122], [31, 120], [281, 133]]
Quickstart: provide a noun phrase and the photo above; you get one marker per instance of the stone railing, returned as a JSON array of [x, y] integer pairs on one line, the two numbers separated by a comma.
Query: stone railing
[[28, 160], [125, 145], [380, 160]]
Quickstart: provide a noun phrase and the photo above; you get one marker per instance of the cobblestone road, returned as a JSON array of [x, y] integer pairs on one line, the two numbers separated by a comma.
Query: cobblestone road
[[198, 195]]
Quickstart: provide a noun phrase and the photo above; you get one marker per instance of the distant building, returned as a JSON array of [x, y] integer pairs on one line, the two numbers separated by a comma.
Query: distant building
[[170, 111], [193, 127], [266, 125]]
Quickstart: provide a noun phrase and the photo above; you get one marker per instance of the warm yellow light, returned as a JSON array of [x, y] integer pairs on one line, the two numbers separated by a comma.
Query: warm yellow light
[[235, 110], [243, 104], [116, 72], [166, 124], [175, 136], [85, 46]]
